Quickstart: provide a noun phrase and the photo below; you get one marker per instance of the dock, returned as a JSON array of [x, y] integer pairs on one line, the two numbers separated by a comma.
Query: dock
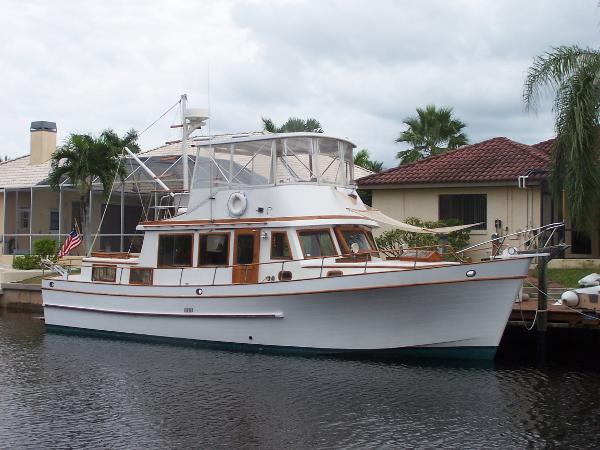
[[559, 316]]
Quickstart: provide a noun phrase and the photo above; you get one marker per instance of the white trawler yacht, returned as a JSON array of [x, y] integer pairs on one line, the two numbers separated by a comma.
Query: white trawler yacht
[[273, 249]]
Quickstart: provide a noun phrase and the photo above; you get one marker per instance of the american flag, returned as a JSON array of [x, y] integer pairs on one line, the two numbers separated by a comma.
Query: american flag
[[72, 241]]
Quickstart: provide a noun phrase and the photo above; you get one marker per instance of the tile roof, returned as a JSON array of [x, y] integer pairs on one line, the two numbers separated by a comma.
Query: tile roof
[[545, 146], [18, 173], [495, 160]]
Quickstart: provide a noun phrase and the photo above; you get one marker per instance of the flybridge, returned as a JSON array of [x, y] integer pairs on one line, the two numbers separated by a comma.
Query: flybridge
[[266, 160]]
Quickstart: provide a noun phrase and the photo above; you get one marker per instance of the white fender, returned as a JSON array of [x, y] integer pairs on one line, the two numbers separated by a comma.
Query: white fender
[[570, 298], [237, 204]]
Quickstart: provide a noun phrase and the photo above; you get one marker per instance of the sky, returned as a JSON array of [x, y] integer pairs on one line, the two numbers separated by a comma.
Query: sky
[[359, 67]]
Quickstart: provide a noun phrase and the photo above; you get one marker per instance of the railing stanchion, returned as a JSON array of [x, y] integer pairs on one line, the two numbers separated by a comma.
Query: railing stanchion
[[322, 263], [215, 275], [366, 261]]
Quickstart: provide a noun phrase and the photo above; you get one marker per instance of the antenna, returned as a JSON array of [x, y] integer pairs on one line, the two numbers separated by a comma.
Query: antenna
[[210, 148], [184, 143]]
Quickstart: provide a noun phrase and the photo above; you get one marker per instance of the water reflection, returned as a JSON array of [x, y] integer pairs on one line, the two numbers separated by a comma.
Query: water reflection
[[62, 390]]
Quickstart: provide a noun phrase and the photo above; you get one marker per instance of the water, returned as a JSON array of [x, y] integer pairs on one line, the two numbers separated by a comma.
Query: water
[[60, 391]]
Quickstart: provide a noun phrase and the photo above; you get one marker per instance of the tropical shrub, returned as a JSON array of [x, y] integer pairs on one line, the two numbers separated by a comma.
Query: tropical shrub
[[397, 238], [26, 262], [46, 248]]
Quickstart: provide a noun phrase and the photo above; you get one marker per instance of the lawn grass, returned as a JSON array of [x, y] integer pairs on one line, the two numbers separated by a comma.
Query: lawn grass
[[38, 279], [569, 277]]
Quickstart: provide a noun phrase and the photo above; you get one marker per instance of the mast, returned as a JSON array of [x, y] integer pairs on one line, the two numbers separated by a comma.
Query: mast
[[184, 143]]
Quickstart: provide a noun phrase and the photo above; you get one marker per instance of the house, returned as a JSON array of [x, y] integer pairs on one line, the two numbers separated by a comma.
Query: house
[[499, 183], [31, 210]]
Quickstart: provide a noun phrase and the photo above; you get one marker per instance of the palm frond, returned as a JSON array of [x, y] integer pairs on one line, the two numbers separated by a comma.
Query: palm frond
[[432, 131], [549, 70]]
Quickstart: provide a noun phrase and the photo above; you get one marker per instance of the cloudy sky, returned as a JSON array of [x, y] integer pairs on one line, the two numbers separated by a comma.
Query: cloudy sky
[[360, 67]]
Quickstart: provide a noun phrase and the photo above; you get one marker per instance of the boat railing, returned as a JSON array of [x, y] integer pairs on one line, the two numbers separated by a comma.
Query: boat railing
[[536, 240], [543, 239], [362, 257]]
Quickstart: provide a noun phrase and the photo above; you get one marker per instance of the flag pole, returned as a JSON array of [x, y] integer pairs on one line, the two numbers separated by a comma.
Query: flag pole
[[78, 232]]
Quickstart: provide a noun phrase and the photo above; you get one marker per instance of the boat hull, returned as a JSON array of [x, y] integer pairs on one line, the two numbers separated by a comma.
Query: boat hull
[[437, 311]]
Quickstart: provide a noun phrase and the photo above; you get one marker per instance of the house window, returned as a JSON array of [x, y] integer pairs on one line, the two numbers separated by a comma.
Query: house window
[[214, 250], [175, 250], [53, 220], [23, 219], [466, 208], [280, 246], [316, 243], [104, 273], [141, 276]]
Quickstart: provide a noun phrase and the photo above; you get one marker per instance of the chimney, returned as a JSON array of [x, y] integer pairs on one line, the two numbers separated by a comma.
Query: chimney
[[43, 141]]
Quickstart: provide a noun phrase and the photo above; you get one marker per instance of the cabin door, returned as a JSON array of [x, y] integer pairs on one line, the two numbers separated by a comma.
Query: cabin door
[[245, 256]]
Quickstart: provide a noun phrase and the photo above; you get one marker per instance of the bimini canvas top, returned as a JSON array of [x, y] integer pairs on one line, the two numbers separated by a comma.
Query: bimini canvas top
[[268, 160]]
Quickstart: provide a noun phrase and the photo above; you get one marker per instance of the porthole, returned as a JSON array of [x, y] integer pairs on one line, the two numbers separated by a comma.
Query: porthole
[[471, 273], [199, 291]]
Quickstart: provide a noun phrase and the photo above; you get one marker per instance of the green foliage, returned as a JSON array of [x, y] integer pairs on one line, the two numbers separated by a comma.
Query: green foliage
[[26, 262], [396, 238], [293, 124], [366, 195], [46, 248], [84, 157], [572, 74], [569, 277], [363, 159], [42, 248], [431, 132]]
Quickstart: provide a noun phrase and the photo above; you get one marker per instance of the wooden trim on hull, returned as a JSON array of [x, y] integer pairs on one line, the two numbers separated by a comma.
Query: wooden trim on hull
[[278, 294], [186, 315], [247, 221]]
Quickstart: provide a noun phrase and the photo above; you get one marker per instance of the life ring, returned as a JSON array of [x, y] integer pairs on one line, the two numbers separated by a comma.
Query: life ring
[[237, 204]]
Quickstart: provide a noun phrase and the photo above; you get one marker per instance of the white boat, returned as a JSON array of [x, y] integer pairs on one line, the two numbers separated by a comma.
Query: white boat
[[273, 250]]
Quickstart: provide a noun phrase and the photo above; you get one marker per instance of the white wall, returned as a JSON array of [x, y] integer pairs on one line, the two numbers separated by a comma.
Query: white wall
[[516, 208]]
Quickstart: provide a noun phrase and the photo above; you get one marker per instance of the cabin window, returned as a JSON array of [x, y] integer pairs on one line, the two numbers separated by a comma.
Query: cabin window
[[280, 246], [214, 250], [104, 273], [175, 250], [316, 243], [349, 236], [466, 208], [142, 276]]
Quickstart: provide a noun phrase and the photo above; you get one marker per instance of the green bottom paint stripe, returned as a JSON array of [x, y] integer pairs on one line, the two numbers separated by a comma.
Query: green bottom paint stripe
[[470, 353]]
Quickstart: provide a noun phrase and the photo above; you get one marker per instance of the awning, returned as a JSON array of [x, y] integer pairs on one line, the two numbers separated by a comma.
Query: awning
[[378, 216]]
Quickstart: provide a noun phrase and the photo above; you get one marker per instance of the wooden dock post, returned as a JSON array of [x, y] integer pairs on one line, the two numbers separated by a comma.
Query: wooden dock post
[[542, 310], [542, 319]]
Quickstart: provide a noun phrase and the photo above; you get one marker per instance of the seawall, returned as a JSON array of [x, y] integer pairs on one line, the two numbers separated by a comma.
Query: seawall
[[21, 297]]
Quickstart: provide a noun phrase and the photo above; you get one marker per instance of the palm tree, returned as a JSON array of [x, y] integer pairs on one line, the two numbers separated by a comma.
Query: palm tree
[[362, 158], [572, 73], [118, 143], [82, 159], [431, 132], [293, 124]]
